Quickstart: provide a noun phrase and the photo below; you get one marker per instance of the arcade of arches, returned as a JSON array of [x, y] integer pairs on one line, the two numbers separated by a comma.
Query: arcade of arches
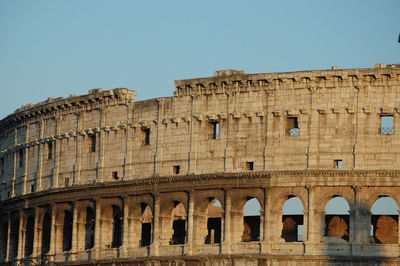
[[200, 222]]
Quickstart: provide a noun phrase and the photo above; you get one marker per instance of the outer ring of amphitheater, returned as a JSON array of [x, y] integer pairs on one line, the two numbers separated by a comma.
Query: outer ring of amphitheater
[[270, 188]]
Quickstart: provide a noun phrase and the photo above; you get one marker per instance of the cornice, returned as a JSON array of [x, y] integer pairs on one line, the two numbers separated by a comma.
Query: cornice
[[157, 181], [96, 98], [237, 82]]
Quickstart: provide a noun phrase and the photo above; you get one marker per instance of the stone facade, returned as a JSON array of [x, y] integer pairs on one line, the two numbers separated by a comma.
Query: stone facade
[[103, 177]]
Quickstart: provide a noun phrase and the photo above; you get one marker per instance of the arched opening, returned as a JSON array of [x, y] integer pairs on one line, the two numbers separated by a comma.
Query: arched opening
[[29, 233], [89, 228], [178, 224], [117, 227], [251, 220], [46, 233], [4, 239], [337, 218], [214, 220], [292, 220], [67, 231], [14, 237], [146, 225], [384, 221]]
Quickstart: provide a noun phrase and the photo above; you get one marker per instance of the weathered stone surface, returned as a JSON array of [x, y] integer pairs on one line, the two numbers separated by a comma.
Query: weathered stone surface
[[135, 181]]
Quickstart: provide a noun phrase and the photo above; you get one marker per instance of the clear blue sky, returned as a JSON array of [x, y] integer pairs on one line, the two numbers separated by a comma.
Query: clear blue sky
[[56, 47]]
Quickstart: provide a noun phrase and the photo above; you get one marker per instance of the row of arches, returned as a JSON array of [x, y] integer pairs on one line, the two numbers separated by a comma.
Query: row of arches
[[112, 223]]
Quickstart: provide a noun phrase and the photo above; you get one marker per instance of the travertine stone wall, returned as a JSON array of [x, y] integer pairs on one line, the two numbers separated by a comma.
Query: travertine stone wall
[[338, 113], [229, 137]]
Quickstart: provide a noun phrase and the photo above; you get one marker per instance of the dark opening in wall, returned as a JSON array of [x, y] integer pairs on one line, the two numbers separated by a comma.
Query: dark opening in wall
[[4, 239], [146, 235], [291, 227], [214, 130], [46, 233], [115, 175], [29, 234], [14, 238], [387, 125], [20, 158], [146, 224], [214, 221], [50, 151], [179, 236], [214, 230], [92, 143], [146, 136], [90, 228], [292, 126], [33, 189], [66, 182], [176, 169], [67, 231], [117, 227], [250, 166], [338, 164]]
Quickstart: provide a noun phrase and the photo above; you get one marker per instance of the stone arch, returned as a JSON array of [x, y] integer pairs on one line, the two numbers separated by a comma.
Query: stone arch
[[63, 229], [140, 222], [251, 220], [14, 235], [292, 219], [208, 217], [384, 221], [373, 197], [337, 219], [85, 226], [67, 230], [112, 223], [239, 199], [4, 238], [46, 232], [29, 235], [173, 217]]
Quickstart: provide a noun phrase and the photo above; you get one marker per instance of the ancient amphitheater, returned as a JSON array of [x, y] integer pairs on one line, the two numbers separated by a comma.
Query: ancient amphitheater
[[104, 179]]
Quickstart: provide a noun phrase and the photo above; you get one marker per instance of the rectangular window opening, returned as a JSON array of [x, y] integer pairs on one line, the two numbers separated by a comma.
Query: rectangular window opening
[[214, 128], [20, 158], [66, 181], [338, 164], [146, 136], [115, 175], [176, 169], [50, 151], [92, 143], [292, 126], [33, 188], [250, 166], [387, 124]]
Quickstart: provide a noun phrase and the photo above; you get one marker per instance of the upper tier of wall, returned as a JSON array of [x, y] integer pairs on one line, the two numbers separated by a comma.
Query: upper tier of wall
[[232, 122]]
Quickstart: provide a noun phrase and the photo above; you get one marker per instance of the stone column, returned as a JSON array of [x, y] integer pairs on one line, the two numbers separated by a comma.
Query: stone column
[[78, 139], [53, 233], [40, 155], [310, 233], [156, 225], [7, 257], [75, 228], [21, 235], [101, 138], [98, 229], [36, 235], [190, 218], [13, 192], [125, 227], [264, 219], [226, 244]]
